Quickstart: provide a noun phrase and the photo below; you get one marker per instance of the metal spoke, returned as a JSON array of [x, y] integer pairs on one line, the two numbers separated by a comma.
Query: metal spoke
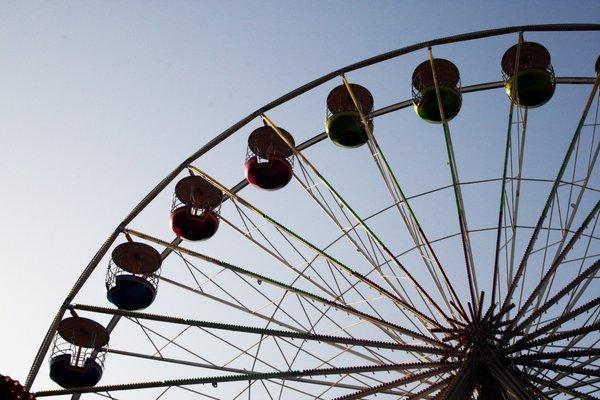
[[370, 232], [332, 259], [563, 292], [557, 337], [413, 225], [375, 266], [555, 265], [396, 383], [254, 376], [271, 319], [551, 195], [460, 207], [563, 389], [260, 331], [303, 293]]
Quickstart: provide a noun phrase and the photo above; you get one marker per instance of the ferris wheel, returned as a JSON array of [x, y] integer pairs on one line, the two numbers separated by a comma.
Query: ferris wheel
[[439, 245]]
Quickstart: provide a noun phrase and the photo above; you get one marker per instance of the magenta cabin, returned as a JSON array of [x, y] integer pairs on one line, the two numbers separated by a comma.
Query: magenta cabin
[[269, 158], [195, 211]]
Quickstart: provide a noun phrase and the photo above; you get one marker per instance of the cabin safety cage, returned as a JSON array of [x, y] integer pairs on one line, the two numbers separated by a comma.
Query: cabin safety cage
[[528, 74], [132, 276], [78, 353], [432, 80], [195, 209], [269, 159]]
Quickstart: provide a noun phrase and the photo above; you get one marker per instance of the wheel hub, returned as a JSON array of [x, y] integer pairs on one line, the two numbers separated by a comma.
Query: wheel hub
[[486, 371]]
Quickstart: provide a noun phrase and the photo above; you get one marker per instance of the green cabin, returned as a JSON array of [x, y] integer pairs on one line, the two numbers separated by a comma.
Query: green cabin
[[528, 74], [425, 97], [343, 124]]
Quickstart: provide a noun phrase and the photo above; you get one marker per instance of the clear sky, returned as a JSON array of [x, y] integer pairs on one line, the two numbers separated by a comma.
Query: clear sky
[[101, 99]]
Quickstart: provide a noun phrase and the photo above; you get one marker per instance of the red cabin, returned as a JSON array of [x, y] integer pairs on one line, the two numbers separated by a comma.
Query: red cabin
[[132, 277], [77, 358], [269, 159], [195, 211]]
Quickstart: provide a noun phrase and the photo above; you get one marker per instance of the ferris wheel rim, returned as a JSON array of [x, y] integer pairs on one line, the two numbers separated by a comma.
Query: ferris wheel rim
[[310, 142]]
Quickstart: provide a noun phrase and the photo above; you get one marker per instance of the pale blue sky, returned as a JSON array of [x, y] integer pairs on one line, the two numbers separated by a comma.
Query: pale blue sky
[[101, 99]]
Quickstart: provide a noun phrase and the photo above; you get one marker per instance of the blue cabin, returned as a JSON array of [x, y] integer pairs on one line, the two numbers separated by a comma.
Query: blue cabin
[[78, 354], [132, 276]]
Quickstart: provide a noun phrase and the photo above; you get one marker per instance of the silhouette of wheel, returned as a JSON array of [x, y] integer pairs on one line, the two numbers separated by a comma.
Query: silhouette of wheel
[[415, 260]]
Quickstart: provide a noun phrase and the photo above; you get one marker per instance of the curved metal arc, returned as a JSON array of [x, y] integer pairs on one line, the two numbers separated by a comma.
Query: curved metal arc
[[478, 87], [43, 349], [472, 230]]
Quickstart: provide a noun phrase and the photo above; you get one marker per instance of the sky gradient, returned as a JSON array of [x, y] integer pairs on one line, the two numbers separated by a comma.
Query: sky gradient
[[100, 100]]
